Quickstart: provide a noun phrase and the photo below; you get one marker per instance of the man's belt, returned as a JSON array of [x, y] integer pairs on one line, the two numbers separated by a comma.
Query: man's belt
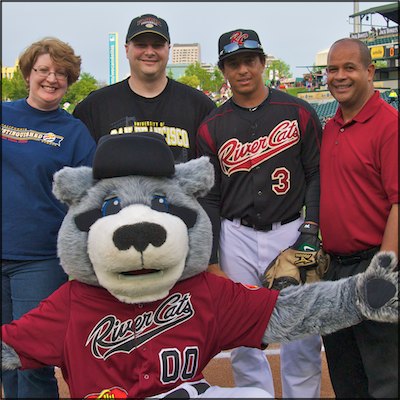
[[354, 258], [268, 227]]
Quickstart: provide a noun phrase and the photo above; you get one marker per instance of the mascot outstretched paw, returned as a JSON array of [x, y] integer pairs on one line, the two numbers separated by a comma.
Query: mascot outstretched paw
[[378, 289]]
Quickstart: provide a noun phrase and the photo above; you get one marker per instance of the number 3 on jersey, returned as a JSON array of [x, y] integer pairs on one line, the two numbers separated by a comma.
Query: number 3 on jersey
[[282, 177]]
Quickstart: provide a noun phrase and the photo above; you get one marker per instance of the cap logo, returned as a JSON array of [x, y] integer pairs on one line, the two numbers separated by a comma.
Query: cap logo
[[238, 37], [149, 22]]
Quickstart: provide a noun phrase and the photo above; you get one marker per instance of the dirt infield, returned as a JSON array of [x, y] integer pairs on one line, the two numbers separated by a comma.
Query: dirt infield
[[219, 372]]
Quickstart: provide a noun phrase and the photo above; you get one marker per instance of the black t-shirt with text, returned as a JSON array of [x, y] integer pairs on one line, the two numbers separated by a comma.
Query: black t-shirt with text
[[176, 113]]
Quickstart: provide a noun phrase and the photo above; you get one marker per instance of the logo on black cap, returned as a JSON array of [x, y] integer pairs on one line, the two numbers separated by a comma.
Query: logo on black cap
[[148, 23], [238, 40]]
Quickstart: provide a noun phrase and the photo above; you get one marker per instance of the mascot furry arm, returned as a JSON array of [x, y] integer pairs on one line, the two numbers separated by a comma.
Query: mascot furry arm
[[137, 243]]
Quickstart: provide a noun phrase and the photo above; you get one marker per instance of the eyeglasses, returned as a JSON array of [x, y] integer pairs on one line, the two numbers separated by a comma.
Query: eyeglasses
[[45, 72], [247, 44]]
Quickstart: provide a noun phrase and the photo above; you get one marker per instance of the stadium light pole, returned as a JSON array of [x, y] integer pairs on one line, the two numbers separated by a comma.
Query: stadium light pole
[[356, 22]]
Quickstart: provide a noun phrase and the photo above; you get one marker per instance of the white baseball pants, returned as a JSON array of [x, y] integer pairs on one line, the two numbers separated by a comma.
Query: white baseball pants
[[244, 255]]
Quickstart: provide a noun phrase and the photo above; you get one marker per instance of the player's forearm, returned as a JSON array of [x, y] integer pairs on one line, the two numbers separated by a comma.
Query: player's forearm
[[212, 210], [390, 240], [312, 198]]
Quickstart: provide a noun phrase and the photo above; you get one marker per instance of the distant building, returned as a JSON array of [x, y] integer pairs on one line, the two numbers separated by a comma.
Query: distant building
[[8, 72], [175, 71], [208, 67], [185, 53], [321, 57]]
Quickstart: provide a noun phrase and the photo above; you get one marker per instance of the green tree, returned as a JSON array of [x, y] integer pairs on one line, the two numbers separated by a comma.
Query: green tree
[[190, 80], [217, 80], [170, 74], [5, 89], [279, 69], [203, 76], [14, 88], [206, 81], [316, 69], [79, 90]]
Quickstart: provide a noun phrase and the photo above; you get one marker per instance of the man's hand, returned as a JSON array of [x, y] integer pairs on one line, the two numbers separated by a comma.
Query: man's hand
[[308, 239]]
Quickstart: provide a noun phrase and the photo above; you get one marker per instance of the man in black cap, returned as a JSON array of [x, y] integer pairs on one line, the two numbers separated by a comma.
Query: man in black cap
[[264, 145], [148, 100]]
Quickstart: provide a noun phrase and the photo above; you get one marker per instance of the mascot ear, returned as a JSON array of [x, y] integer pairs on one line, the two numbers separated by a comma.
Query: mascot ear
[[196, 177], [71, 184]]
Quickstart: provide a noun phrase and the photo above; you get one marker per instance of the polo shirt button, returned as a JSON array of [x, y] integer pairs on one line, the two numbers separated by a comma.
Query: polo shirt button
[[259, 193], [341, 129], [145, 376]]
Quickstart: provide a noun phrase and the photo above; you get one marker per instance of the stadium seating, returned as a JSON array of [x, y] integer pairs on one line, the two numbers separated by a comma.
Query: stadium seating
[[380, 41], [326, 111], [385, 96]]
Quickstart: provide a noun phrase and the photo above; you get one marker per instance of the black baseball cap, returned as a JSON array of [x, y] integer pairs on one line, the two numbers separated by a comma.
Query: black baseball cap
[[238, 40], [133, 154], [148, 23]]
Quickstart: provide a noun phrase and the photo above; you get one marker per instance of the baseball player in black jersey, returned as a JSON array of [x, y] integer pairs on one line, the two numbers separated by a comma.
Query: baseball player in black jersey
[[264, 145], [148, 100]]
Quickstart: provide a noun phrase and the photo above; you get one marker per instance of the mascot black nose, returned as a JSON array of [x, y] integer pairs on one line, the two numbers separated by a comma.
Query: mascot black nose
[[139, 236]]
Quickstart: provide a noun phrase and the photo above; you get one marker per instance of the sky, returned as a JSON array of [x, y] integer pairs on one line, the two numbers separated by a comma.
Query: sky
[[290, 31]]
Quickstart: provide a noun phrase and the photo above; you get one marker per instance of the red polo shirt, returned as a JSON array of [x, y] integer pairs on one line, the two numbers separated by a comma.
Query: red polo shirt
[[359, 177]]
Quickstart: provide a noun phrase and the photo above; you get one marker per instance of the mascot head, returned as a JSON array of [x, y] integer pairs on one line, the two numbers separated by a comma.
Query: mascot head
[[134, 225]]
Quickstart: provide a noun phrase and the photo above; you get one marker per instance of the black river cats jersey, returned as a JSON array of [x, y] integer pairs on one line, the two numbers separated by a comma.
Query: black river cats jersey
[[267, 155]]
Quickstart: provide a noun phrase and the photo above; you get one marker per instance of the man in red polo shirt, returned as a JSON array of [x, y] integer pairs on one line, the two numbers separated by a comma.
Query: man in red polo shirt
[[359, 214]]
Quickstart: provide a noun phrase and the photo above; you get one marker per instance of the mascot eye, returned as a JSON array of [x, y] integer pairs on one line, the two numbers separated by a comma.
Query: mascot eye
[[85, 220], [188, 216], [160, 203], [111, 206]]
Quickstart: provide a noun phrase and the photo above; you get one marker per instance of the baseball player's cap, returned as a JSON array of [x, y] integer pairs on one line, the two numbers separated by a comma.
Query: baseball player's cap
[[236, 41], [148, 23]]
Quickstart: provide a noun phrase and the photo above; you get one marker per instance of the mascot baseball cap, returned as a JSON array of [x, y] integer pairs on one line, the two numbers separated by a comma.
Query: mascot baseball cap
[[128, 154], [148, 23], [236, 41]]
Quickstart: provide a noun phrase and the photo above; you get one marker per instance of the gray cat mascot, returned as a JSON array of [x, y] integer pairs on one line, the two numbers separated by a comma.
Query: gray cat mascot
[[140, 317]]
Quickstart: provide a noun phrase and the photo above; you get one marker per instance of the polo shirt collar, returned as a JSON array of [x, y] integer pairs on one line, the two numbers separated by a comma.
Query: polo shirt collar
[[369, 110]]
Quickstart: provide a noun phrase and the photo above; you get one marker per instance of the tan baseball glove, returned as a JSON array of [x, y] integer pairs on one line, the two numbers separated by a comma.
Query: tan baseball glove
[[295, 267], [304, 262]]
